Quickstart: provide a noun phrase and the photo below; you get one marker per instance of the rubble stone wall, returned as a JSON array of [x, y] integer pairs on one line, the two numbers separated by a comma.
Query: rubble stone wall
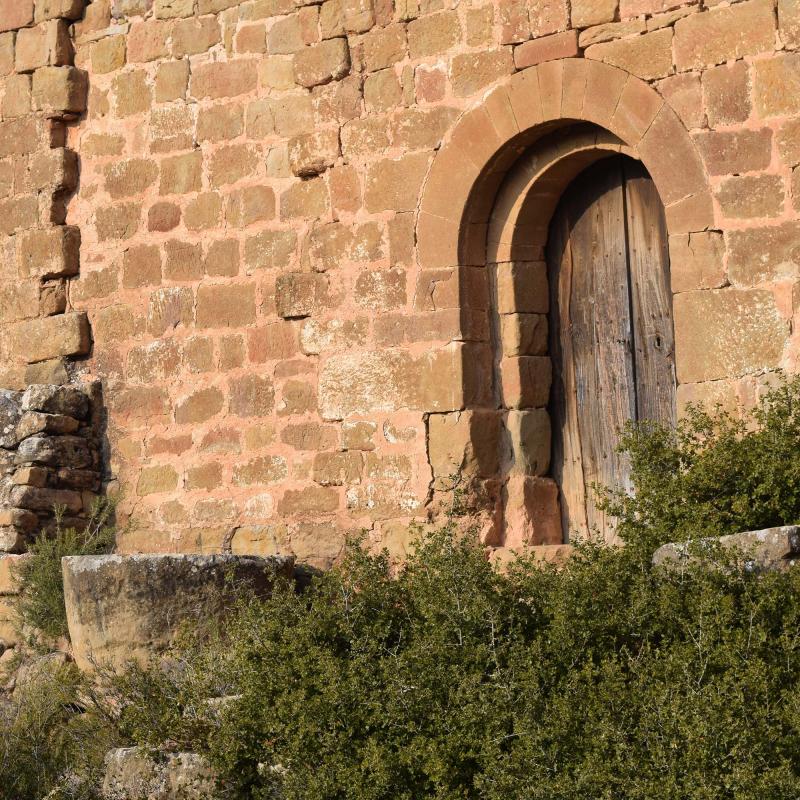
[[50, 460], [292, 344]]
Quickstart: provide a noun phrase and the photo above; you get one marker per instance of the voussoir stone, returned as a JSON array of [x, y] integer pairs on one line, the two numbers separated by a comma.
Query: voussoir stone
[[123, 608]]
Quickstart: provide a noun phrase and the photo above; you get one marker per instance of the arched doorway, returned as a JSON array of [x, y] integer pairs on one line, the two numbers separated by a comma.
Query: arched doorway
[[611, 330], [483, 222]]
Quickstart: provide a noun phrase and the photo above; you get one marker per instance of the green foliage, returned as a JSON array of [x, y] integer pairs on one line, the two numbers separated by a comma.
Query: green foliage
[[714, 474], [606, 679], [50, 744], [40, 604]]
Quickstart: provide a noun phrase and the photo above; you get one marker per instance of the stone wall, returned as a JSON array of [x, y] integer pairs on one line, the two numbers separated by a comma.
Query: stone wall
[[41, 92], [278, 328], [50, 458]]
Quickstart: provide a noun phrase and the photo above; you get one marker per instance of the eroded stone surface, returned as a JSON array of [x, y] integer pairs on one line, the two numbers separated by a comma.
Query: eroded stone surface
[[122, 608], [134, 772], [772, 549]]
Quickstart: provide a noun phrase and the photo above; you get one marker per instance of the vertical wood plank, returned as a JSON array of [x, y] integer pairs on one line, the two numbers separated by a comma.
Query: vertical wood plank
[[567, 466], [602, 333], [651, 297]]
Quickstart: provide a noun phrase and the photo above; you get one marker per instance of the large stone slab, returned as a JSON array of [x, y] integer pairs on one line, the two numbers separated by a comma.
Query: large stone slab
[[123, 608], [133, 773], [771, 549]]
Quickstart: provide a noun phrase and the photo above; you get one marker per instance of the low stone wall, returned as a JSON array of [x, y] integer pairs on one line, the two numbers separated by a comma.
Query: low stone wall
[[50, 456]]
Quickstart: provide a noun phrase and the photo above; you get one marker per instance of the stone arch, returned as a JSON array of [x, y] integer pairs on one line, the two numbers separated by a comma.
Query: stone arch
[[488, 199]]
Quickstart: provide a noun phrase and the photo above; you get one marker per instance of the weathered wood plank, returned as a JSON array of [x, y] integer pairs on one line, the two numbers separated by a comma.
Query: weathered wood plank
[[602, 341], [567, 467], [651, 297]]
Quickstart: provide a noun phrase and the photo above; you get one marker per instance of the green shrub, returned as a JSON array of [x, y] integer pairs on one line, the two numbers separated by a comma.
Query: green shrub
[[50, 742], [40, 605], [606, 679], [714, 474]]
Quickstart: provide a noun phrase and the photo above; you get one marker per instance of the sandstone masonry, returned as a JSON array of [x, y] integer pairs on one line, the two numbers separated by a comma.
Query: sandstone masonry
[[263, 226]]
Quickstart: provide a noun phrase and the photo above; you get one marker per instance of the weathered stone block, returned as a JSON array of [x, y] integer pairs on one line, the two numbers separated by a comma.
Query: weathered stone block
[[522, 287], [394, 184], [472, 72], [55, 169], [530, 440], [226, 305], [727, 332], [732, 152], [769, 550], [252, 396], [311, 500], [684, 94], [260, 470], [58, 9], [726, 92], [524, 334], [8, 579], [776, 85], [724, 34], [338, 469], [44, 500], [446, 379], [557, 45], [11, 541], [322, 63], [433, 34], [9, 417], [647, 57], [223, 79], [312, 153], [526, 381], [532, 513], [46, 45], [33, 422], [131, 607], [696, 261], [751, 196], [60, 90], [199, 406], [584, 13], [297, 294], [51, 337], [15, 14], [465, 444], [195, 35], [757, 255], [55, 451]]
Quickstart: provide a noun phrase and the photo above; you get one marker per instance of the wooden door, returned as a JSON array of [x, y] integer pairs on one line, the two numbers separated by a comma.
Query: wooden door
[[611, 334]]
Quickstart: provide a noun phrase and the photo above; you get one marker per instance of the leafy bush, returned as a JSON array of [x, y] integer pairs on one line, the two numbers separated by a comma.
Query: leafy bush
[[607, 679], [49, 743], [40, 604], [714, 474]]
